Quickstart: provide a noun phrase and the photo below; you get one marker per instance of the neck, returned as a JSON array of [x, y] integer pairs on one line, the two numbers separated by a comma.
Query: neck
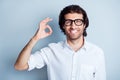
[[76, 44]]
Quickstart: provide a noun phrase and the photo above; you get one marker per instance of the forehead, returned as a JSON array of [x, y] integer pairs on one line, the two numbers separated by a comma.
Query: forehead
[[73, 16]]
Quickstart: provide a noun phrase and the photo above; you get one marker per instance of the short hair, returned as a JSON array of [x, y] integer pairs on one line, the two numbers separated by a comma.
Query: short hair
[[73, 9]]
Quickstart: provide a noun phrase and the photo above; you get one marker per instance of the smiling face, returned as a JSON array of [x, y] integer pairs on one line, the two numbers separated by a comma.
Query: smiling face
[[73, 31]]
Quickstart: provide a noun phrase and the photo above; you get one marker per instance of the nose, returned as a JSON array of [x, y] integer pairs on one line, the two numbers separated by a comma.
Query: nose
[[73, 25]]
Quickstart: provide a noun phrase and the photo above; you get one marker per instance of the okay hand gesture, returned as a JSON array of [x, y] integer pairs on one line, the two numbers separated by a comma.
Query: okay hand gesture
[[41, 32]]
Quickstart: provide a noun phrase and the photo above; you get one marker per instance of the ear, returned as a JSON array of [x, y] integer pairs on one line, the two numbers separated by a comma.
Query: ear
[[84, 25], [63, 27]]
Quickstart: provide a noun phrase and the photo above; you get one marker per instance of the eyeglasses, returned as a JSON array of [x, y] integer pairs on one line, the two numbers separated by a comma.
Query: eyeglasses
[[77, 22]]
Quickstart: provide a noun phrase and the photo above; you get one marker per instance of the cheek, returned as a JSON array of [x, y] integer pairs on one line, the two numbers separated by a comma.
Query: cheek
[[65, 28]]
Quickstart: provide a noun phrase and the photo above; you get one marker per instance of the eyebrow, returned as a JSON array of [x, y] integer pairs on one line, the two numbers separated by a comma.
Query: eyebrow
[[74, 19]]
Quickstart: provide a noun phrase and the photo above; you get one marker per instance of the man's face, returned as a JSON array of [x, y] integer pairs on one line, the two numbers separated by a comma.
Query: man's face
[[74, 26]]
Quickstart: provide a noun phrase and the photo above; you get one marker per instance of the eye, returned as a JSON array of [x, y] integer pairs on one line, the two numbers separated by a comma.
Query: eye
[[67, 22], [78, 22]]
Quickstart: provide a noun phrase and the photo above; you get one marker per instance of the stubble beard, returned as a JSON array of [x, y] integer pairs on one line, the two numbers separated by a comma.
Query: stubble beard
[[74, 37]]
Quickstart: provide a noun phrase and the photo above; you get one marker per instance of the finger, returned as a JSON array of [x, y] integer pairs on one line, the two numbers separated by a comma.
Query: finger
[[46, 20], [50, 29]]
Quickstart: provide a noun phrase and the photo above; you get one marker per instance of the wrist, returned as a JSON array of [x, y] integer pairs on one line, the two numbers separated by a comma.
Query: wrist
[[34, 40]]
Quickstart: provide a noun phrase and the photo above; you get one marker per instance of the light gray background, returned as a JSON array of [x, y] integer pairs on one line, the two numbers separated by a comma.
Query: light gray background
[[19, 21]]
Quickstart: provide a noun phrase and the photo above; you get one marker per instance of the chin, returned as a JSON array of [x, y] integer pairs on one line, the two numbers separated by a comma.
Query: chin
[[74, 38]]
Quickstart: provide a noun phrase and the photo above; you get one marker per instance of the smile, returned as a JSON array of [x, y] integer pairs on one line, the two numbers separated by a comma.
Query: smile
[[73, 31]]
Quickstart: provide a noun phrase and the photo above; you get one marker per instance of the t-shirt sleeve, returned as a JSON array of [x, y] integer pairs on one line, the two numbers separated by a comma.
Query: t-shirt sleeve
[[36, 61]]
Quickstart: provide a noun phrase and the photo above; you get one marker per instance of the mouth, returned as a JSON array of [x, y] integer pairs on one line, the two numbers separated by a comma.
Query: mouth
[[73, 31]]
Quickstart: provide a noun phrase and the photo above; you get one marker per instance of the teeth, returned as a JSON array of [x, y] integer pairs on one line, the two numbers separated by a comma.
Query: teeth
[[73, 31]]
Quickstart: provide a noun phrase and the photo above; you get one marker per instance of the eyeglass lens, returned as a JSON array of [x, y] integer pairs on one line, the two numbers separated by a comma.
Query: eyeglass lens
[[77, 22]]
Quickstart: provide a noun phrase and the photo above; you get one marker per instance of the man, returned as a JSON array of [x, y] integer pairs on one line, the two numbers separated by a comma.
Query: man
[[72, 59]]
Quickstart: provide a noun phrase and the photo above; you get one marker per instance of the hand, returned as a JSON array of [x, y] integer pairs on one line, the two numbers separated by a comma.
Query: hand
[[41, 33]]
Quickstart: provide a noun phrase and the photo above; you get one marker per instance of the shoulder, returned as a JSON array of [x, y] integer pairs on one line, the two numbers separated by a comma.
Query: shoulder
[[94, 48], [91, 45], [56, 45], [53, 46]]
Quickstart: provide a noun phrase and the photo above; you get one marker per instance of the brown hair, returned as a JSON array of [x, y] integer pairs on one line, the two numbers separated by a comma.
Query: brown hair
[[73, 9]]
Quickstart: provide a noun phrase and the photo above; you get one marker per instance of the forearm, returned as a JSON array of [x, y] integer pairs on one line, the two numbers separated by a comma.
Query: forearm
[[22, 60]]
